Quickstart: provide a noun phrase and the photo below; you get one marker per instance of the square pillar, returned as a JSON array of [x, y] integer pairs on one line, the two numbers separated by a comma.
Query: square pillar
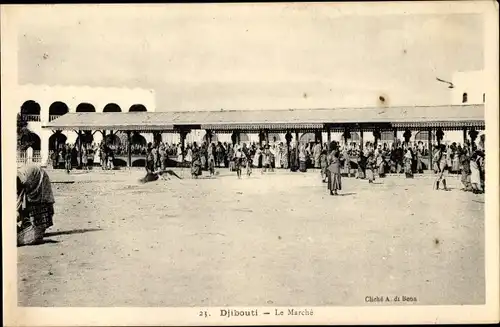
[[429, 146], [361, 139], [129, 150]]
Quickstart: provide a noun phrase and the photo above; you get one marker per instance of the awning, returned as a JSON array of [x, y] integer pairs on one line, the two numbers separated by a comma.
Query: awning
[[254, 120]]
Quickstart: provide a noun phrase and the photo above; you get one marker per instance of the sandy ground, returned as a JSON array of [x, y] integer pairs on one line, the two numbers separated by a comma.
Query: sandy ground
[[277, 239]]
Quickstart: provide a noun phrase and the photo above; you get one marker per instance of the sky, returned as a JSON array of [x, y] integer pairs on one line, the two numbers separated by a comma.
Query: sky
[[250, 56]]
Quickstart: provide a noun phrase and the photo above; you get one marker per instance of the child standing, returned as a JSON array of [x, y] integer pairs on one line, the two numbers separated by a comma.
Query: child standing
[[211, 162], [323, 160]]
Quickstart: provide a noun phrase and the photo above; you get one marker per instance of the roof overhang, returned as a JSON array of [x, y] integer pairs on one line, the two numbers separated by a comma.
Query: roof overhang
[[447, 117]]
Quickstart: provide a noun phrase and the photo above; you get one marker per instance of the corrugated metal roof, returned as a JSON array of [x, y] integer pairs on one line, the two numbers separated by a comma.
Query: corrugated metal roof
[[293, 118]]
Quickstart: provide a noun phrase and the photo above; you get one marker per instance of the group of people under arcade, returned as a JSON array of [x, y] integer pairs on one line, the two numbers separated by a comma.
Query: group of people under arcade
[[69, 156], [361, 162], [365, 162]]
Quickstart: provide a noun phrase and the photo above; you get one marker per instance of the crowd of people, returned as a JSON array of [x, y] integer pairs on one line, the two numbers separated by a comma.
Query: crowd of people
[[366, 162], [354, 160]]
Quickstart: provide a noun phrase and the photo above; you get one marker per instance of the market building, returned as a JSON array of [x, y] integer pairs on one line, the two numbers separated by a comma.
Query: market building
[[66, 114]]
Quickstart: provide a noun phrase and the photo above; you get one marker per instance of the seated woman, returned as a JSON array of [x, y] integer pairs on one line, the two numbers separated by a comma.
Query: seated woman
[[35, 205]]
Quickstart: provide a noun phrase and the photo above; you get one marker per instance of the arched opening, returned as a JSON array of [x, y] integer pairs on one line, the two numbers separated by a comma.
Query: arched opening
[[57, 141], [464, 98], [57, 109], [85, 107], [138, 144], [307, 138], [30, 139], [112, 107], [386, 136], [214, 138], [424, 136], [274, 137], [113, 139], [244, 138], [30, 111], [137, 108], [87, 138]]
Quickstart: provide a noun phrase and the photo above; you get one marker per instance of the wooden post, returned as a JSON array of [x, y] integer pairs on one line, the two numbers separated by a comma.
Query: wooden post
[[296, 148], [361, 139], [80, 147], [183, 134], [56, 143], [464, 135], [329, 135], [267, 136], [429, 146], [129, 149]]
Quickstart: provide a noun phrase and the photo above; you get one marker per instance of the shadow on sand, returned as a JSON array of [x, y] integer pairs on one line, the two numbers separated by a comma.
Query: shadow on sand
[[40, 243], [71, 232], [344, 194]]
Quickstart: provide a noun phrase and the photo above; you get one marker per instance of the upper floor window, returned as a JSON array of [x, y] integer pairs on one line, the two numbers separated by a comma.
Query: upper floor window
[[484, 97], [464, 98]]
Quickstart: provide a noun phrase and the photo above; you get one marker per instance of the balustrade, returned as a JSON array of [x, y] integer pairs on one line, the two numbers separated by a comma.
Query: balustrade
[[34, 118]]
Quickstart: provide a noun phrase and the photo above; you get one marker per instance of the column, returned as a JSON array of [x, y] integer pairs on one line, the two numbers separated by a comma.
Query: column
[[346, 131], [395, 139], [80, 147], [44, 147], [266, 133], [296, 148], [429, 146], [464, 135], [183, 134], [129, 150], [329, 135], [473, 136], [288, 138], [361, 141], [376, 137]]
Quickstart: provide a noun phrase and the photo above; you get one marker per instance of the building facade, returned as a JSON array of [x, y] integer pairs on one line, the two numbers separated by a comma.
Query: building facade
[[40, 104]]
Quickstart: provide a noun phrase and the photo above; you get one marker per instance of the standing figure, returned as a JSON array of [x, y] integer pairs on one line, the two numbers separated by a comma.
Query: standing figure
[[180, 160], [475, 175], [256, 158], [324, 166], [361, 164], [85, 158], [196, 163], [54, 158], [163, 156], [211, 160], [380, 164], [440, 160], [238, 161], [150, 160], [370, 166], [334, 177], [67, 158], [302, 158], [408, 161], [420, 168], [316, 155], [111, 159], [189, 155], [35, 204], [347, 161]]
